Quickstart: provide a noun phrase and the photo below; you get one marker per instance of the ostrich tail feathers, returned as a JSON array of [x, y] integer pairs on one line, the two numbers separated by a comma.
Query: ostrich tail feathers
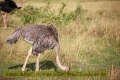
[[13, 38]]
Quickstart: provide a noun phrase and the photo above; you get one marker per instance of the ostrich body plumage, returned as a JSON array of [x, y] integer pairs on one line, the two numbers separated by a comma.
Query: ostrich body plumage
[[42, 38]]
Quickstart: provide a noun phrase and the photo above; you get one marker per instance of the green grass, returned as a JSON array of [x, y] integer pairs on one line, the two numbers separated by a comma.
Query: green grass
[[89, 40]]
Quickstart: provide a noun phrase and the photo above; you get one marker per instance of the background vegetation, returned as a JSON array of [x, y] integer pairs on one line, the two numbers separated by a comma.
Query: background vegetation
[[89, 34]]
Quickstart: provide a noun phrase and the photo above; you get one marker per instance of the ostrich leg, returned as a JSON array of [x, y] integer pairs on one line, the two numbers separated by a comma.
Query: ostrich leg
[[57, 58], [28, 55], [37, 62], [4, 19]]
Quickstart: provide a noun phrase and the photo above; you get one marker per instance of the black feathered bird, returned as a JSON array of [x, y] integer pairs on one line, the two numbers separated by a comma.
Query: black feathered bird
[[8, 6], [42, 38]]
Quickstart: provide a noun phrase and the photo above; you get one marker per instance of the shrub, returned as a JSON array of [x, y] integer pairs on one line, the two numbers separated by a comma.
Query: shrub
[[45, 14]]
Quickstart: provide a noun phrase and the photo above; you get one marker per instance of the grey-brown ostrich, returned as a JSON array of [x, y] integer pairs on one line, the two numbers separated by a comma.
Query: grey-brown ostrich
[[42, 38]]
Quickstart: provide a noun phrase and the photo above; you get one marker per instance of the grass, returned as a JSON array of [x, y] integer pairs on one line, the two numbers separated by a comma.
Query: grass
[[88, 43]]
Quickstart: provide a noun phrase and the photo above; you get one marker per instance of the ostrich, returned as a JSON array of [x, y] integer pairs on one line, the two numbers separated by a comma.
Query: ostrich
[[42, 38], [8, 6]]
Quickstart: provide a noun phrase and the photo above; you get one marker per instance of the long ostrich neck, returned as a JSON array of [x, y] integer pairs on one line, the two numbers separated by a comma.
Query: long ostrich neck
[[58, 61], [21, 3], [57, 56]]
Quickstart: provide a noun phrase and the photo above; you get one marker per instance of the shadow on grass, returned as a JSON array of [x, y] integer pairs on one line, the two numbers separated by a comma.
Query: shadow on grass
[[44, 65]]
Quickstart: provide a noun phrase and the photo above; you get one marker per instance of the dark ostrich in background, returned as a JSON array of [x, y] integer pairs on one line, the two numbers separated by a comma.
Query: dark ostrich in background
[[42, 38], [8, 6]]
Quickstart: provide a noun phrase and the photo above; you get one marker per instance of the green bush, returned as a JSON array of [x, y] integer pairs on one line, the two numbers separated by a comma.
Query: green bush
[[45, 14]]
